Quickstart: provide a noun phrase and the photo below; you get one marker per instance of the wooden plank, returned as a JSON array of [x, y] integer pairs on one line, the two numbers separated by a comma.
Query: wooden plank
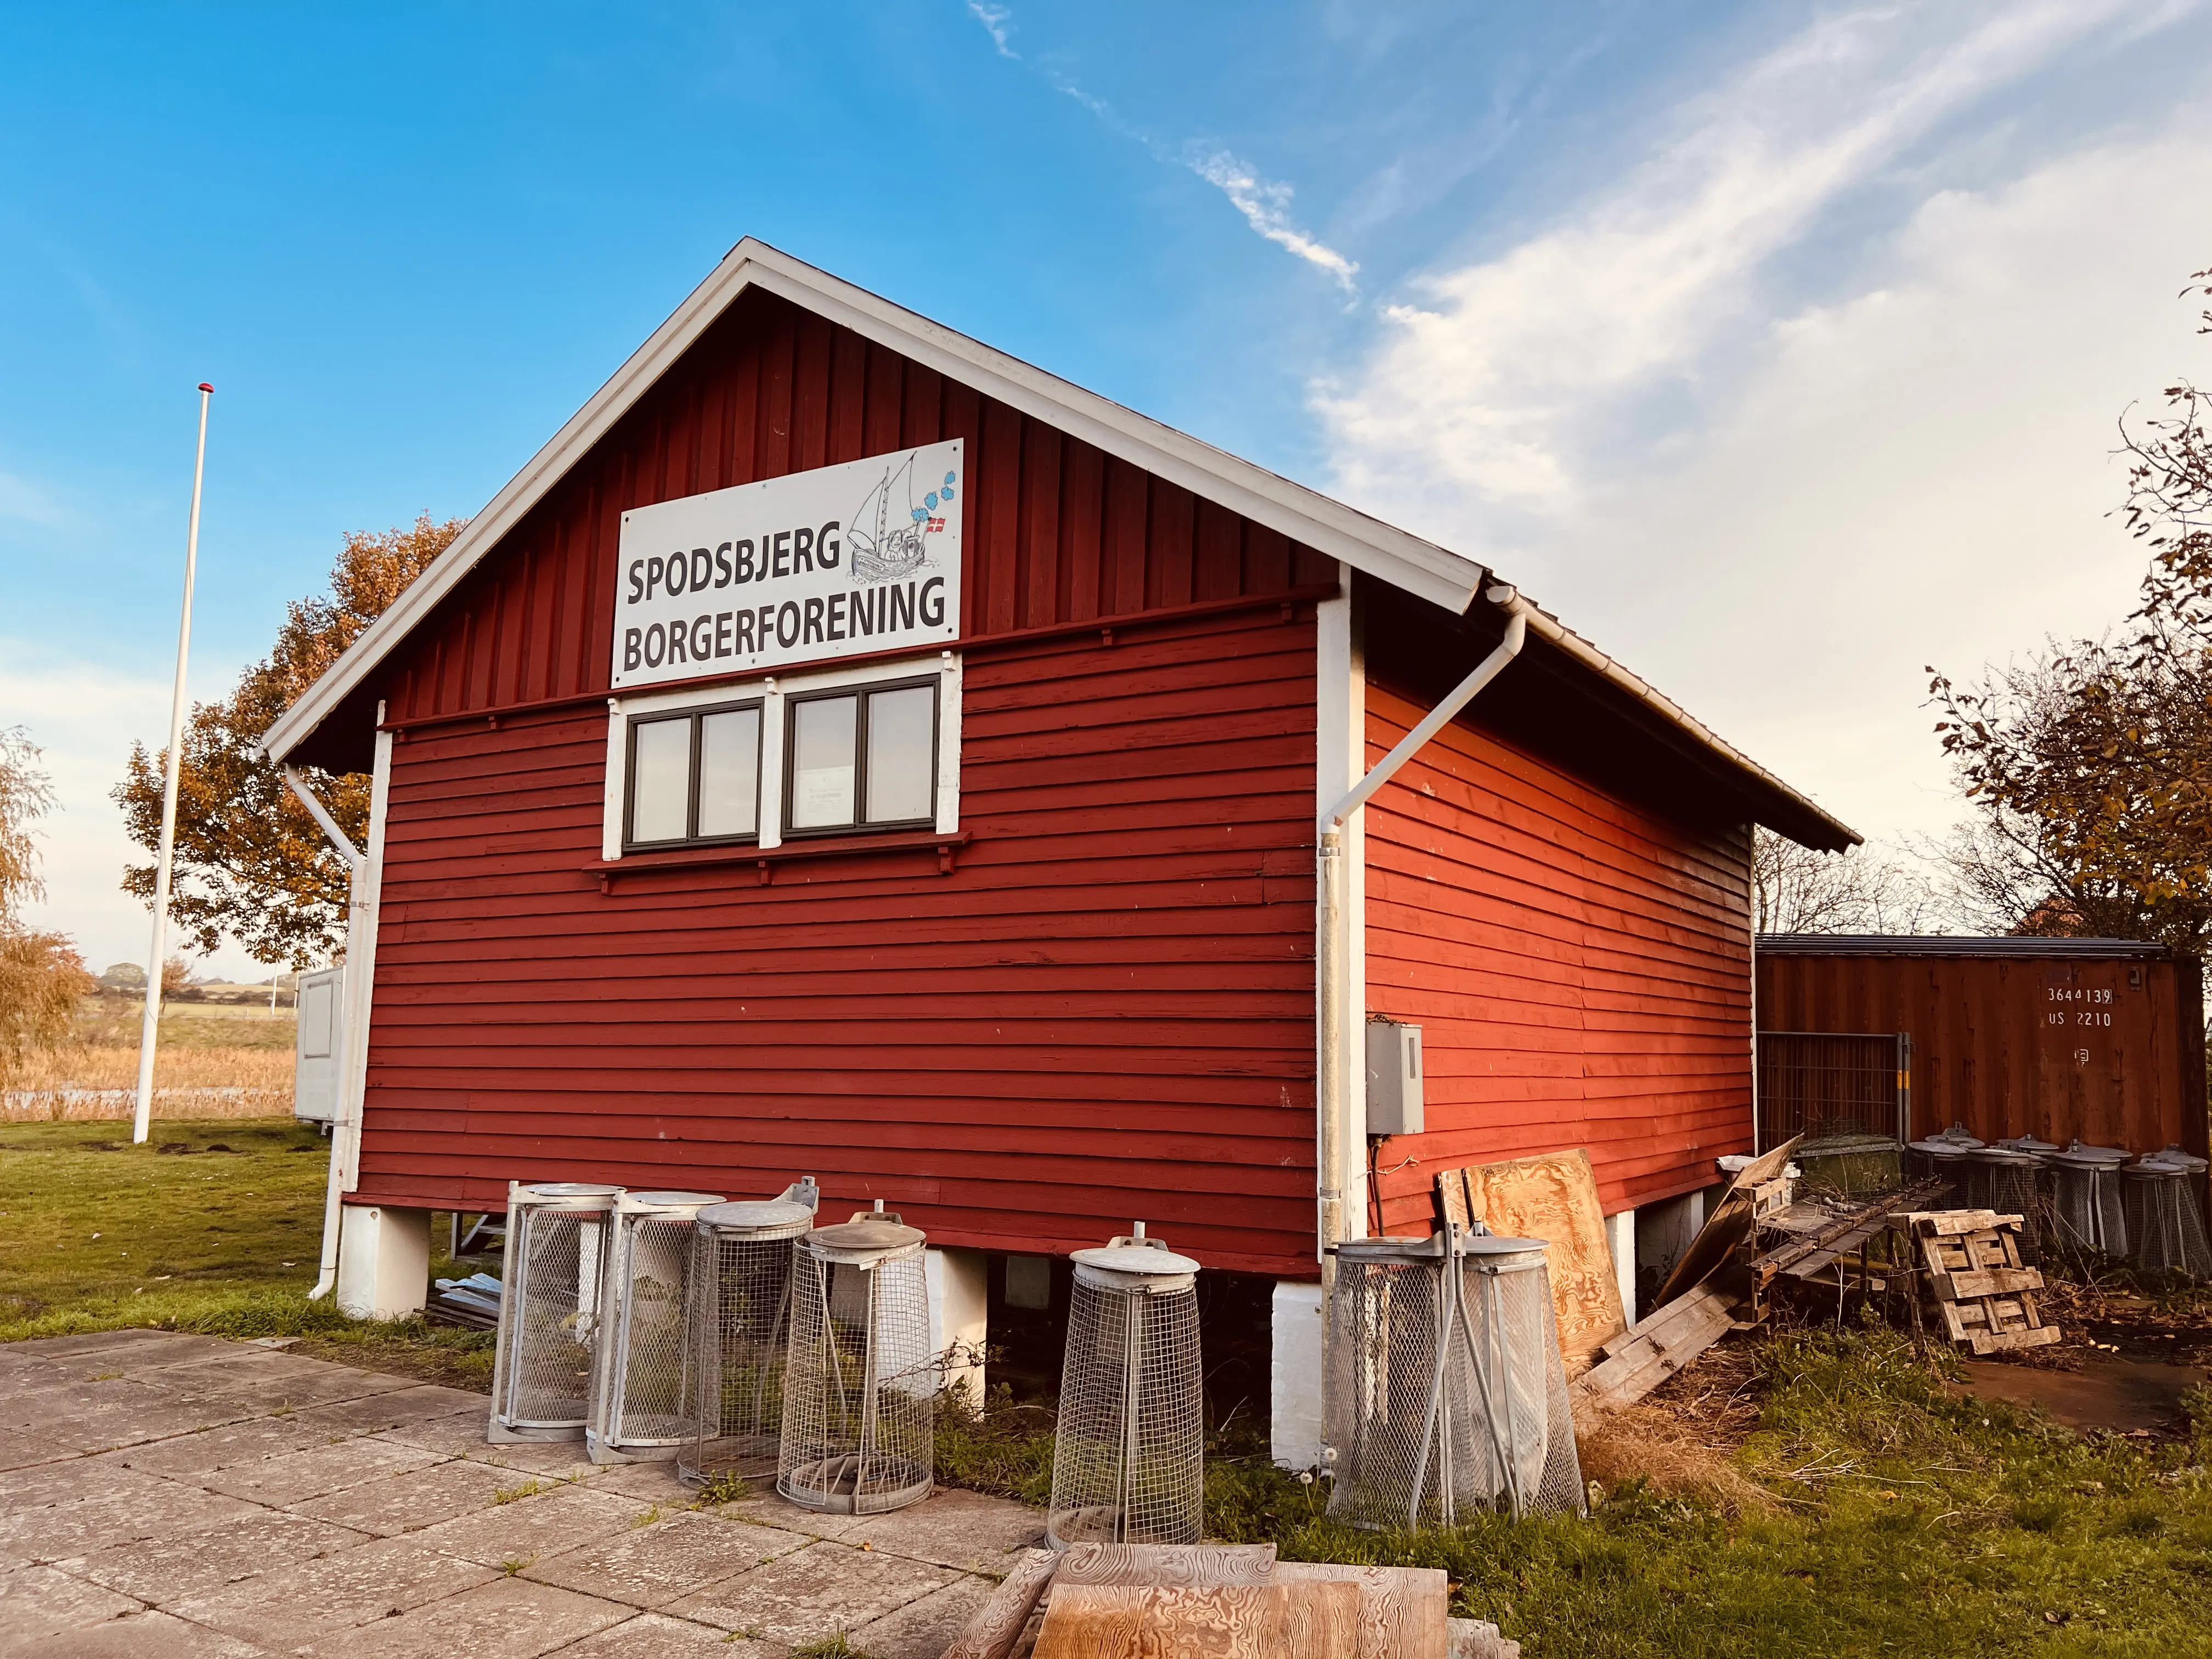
[[1990, 1281], [1167, 1564], [1314, 1619], [997, 1624], [2036, 1336], [1554, 1197], [1653, 1352], [1401, 1609]]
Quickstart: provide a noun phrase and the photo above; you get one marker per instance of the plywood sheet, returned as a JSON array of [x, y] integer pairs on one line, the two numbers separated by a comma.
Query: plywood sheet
[[1553, 1197], [1302, 1621]]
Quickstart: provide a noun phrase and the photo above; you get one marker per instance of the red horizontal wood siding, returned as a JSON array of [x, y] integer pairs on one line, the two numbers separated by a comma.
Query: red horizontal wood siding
[[1057, 530], [1580, 967], [1103, 1014]]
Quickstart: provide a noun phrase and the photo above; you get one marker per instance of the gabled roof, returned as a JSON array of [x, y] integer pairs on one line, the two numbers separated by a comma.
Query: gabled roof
[[1366, 544], [1448, 580]]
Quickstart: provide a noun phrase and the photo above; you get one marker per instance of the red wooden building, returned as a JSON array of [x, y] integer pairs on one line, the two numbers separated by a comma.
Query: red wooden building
[[1007, 918]]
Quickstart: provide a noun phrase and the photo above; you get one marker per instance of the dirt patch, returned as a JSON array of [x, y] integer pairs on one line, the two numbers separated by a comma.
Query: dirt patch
[[2136, 1397]]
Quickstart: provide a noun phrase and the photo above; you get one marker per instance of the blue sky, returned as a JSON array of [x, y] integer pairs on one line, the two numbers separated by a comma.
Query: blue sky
[[1776, 347]]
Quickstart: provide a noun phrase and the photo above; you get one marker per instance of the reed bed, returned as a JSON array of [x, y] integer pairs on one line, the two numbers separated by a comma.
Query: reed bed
[[86, 1082]]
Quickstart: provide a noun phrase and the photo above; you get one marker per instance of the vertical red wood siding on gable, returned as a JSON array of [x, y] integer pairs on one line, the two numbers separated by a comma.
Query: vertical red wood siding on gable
[[1103, 1013], [1057, 531], [1580, 967]]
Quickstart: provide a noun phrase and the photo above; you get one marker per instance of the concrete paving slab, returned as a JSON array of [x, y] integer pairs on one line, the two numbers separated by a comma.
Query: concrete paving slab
[[507, 1619], [28, 1451], [562, 1459], [96, 1523], [399, 1504], [656, 1636], [145, 1636], [764, 1508], [373, 1413], [925, 1628], [292, 1477], [38, 1602], [649, 1483], [309, 1602], [651, 1566], [63, 1482], [224, 1448], [457, 1434], [529, 1530], [164, 1571], [954, 1529], [812, 1594], [280, 1379], [144, 1346]]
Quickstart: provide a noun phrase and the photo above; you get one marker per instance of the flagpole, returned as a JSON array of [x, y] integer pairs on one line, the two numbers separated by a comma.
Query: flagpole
[[150, 1030]]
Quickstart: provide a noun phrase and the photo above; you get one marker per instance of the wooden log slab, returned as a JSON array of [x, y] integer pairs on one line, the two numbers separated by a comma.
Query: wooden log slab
[[1148, 1564], [1401, 1609], [997, 1624], [1987, 1281], [1312, 1619]]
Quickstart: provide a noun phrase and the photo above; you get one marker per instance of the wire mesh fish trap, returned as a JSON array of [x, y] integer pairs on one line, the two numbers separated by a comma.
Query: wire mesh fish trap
[[1446, 1392], [637, 1374], [2090, 1216], [549, 1304], [2008, 1181], [860, 1381], [2165, 1230], [738, 1329], [1127, 1457]]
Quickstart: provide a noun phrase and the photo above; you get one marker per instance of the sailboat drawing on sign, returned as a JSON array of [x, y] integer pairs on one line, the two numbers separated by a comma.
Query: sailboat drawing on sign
[[885, 533]]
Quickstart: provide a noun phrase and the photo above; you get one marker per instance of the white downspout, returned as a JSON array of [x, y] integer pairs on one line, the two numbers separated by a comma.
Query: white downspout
[[357, 865], [1337, 1012]]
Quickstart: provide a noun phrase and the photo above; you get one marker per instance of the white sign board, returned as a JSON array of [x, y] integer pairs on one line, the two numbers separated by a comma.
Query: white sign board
[[840, 561]]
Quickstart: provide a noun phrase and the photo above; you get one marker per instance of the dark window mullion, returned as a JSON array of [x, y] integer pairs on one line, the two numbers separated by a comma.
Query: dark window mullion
[[861, 699]]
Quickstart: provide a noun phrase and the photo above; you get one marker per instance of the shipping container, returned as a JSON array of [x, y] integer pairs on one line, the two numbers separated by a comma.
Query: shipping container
[[2099, 1040]]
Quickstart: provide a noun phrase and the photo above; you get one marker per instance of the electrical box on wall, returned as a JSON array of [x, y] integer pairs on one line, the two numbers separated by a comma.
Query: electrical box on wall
[[1394, 1078]]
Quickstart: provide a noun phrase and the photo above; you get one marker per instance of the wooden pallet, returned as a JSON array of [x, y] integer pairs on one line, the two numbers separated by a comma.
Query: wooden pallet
[[1642, 1356], [1970, 1263]]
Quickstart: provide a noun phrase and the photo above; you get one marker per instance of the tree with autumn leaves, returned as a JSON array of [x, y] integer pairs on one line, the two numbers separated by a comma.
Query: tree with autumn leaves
[[249, 860]]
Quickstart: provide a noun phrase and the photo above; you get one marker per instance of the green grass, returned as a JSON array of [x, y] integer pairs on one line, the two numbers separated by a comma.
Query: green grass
[[213, 1225], [1903, 1521]]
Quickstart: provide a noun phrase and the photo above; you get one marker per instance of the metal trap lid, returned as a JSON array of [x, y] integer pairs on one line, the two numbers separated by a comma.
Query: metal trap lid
[[790, 1211], [2004, 1157], [563, 1194], [2188, 1160], [1133, 1260], [2029, 1145], [1957, 1136], [870, 1236], [2091, 1157], [1936, 1147], [668, 1203]]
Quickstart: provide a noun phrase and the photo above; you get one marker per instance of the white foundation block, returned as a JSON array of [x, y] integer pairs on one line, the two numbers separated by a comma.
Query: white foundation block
[[1294, 1438], [384, 1262], [959, 1318]]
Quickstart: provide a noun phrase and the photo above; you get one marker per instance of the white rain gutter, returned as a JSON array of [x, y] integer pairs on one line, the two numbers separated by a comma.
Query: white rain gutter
[[1336, 989], [357, 866]]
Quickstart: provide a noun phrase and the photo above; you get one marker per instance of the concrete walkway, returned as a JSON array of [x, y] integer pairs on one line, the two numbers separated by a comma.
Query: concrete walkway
[[183, 1496]]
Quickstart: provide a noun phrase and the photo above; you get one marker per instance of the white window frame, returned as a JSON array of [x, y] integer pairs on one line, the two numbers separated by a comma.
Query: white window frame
[[774, 691]]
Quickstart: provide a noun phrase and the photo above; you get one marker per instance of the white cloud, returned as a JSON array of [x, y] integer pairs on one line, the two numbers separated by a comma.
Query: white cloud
[[1267, 208], [1491, 390], [22, 499], [85, 716], [997, 22], [1780, 509]]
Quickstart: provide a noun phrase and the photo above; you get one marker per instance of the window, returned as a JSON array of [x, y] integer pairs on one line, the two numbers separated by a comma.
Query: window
[[694, 776], [861, 759], [830, 752]]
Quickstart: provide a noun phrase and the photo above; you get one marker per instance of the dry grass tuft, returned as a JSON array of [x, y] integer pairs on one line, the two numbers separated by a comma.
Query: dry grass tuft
[[1672, 1453]]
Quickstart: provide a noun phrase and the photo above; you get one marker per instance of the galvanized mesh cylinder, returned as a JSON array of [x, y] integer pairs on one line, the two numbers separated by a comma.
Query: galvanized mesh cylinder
[[738, 1331], [1128, 1454], [637, 1375], [549, 1304], [1447, 1394], [2165, 1230], [2090, 1216], [860, 1381]]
